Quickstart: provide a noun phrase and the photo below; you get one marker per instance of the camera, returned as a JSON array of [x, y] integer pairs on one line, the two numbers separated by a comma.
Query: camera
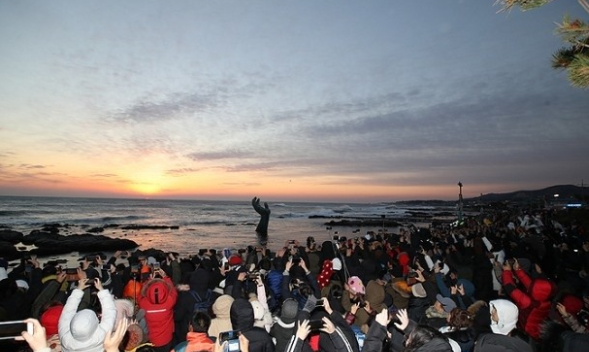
[[253, 276], [71, 274], [232, 338]]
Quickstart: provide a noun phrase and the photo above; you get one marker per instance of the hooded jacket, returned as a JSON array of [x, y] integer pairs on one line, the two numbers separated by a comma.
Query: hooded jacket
[[222, 320], [242, 320], [507, 313], [184, 307], [81, 331], [533, 303], [158, 297], [195, 341]]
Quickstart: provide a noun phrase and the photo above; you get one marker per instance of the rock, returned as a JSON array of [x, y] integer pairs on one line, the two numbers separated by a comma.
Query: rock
[[8, 251], [146, 227], [11, 236], [51, 243]]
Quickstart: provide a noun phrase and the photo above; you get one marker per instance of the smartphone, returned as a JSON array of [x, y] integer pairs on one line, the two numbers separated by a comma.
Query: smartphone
[[315, 324], [232, 338], [72, 274], [106, 267], [291, 242], [156, 266], [12, 329]]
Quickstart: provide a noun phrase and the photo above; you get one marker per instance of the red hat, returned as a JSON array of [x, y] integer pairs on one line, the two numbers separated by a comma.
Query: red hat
[[50, 319], [235, 260], [573, 304]]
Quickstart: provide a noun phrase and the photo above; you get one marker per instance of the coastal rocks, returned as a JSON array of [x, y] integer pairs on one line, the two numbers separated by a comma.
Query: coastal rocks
[[363, 223], [8, 251], [50, 243], [11, 236], [149, 227]]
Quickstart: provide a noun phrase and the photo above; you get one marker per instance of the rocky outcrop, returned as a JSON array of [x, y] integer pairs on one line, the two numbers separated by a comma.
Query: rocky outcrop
[[50, 243]]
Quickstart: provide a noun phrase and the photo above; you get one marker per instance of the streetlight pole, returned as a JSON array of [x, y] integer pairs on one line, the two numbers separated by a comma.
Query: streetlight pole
[[460, 202]]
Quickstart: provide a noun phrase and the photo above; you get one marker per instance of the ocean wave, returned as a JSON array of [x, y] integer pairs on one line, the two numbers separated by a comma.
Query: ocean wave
[[118, 218], [279, 205], [23, 212]]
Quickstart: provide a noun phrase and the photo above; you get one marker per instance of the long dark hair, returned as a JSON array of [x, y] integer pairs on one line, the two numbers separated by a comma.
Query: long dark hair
[[421, 335]]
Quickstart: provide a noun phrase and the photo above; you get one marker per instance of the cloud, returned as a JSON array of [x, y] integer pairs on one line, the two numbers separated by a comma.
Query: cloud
[[218, 155], [182, 171], [29, 166], [104, 175], [172, 107]]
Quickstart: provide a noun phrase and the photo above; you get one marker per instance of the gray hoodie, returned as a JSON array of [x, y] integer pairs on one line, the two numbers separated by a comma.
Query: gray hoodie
[[81, 331]]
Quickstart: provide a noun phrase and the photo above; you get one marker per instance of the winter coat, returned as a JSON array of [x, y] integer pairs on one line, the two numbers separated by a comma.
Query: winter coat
[[195, 341], [184, 307], [533, 303], [222, 320], [501, 343], [81, 331], [158, 297], [282, 332], [242, 319]]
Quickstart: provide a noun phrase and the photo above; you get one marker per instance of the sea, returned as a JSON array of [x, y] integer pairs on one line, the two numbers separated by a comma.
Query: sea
[[195, 224]]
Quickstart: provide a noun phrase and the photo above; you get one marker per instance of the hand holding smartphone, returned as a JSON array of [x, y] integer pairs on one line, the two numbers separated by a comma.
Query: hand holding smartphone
[[232, 338], [14, 328]]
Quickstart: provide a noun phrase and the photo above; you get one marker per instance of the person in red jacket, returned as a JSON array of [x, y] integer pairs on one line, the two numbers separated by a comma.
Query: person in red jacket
[[158, 297], [533, 303]]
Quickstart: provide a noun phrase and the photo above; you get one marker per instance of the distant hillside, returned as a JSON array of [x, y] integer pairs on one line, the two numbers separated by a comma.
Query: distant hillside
[[563, 191]]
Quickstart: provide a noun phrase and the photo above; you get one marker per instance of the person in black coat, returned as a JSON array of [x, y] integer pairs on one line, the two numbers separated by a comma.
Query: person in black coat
[[242, 320], [184, 308]]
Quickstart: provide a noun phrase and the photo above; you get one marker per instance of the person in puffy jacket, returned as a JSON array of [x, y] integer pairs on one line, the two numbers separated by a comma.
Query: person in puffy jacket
[[82, 331], [158, 297], [533, 303]]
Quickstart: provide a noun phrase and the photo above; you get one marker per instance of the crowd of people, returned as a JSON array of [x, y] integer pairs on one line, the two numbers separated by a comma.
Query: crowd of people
[[510, 281]]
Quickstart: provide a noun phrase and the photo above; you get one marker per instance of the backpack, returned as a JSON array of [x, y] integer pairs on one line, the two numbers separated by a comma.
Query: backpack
[[201, 305]]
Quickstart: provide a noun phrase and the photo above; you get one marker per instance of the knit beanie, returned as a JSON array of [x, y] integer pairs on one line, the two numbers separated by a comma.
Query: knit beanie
[[289, 311], [235, 260], [356, 285], [573, 304], [418, 291], [50, 319]]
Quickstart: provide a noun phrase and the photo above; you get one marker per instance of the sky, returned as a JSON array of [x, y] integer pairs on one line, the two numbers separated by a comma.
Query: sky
[[332, 100]]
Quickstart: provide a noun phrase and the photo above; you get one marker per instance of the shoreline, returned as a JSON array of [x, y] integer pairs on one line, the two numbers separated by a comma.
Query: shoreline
[[188, 240]]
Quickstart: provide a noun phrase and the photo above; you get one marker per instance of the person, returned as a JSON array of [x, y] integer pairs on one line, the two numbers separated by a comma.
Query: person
[[82, 331], [197, 338], [417, 337], [298, 341], [284, 326], [222, 320], [158, 297], [242, 319], [533, 302]]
